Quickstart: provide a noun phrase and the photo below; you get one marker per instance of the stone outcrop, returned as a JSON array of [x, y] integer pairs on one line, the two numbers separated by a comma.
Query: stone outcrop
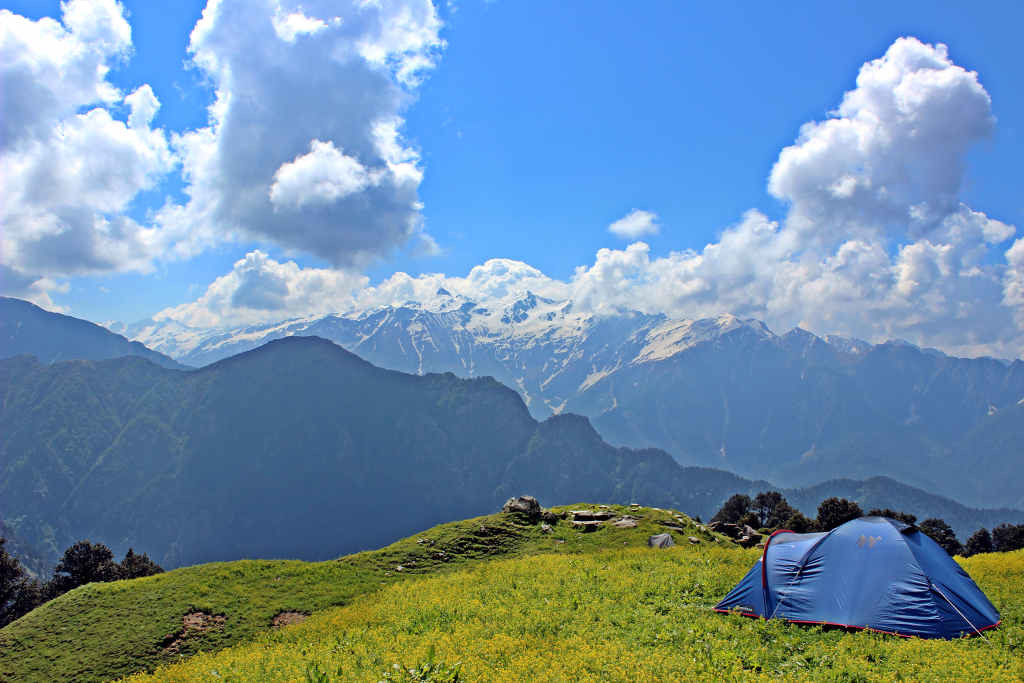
[[592, 515], [525, 506], [660, 541]]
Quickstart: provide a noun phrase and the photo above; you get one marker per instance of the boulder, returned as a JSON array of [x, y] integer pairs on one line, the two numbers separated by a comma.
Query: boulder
[[587, 525], [525, 506], [726, 529], [749, 541], [550, 517], [626, 522], [545, 528], [591, 515], [750, 531], [694, 540], [660, 541]]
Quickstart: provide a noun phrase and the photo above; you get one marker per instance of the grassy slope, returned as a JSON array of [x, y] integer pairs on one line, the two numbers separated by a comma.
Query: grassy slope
[[611, 615], [102, 631]]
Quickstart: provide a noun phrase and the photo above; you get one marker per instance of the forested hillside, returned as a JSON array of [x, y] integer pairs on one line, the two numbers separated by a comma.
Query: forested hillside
[[301, 449]]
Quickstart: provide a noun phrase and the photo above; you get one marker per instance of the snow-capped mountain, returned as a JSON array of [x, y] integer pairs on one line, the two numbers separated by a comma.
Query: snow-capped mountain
[[724, 392], [543, 348]]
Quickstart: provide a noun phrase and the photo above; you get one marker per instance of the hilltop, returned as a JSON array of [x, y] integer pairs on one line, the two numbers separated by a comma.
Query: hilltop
[[104, 630], [613, 615], [497, 597]]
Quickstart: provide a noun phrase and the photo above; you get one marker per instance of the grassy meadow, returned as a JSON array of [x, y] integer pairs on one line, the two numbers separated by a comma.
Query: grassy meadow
[[102, 631], [628, 614], [491, 598]]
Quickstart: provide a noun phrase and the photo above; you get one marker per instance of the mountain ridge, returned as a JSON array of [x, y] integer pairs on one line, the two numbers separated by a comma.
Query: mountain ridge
[[28, 329], [249, 457], [720, 392]]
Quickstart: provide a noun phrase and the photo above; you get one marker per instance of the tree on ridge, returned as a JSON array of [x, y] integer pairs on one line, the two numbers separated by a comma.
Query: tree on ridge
[[833, 512]]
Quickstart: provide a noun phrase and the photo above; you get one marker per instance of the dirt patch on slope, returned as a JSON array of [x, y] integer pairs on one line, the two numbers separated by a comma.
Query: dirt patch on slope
[[288, 618], [192, 624]]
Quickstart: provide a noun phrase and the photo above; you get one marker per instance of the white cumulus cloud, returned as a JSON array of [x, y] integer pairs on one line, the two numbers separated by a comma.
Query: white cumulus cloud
[[306, 119], [891, 157], [304, 147], [876, 242], [322, 176], [635, 224], [260, 289], [70, 167], [290, 25]]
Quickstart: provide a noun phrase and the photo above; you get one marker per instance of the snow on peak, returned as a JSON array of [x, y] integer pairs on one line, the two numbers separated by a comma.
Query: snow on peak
[[800, 333], [849, 345], [675, 336]]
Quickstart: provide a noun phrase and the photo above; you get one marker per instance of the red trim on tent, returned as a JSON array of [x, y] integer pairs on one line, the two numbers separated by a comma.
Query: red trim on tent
[[832, 623]]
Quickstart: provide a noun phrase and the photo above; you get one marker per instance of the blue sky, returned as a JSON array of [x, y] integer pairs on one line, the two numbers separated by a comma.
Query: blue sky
[[539, 125]]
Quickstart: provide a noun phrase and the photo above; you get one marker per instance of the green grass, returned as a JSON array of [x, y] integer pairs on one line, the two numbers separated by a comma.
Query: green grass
[[104, 631], [611, 615], [503, 602]]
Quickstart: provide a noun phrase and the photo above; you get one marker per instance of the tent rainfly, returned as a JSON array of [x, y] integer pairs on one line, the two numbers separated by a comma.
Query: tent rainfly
[[871, 573]]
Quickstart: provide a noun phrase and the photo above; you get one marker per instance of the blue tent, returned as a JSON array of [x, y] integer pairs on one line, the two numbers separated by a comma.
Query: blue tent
[[873, 573]]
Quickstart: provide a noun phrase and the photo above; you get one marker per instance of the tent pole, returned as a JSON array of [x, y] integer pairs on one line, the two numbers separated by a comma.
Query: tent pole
[[936, 589]]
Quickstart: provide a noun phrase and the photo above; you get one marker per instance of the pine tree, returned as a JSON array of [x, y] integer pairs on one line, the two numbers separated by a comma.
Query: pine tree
[[735, 508], [799, 523], [836, 511], [979, 542], [892, 514], [83, 563], [941, 533], [134, 566], [1007, 537], [19, 593], [772, 509]]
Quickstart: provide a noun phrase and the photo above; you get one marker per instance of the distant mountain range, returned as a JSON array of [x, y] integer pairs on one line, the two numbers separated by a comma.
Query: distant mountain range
[[52, 337], [302, 449], [724, 392]]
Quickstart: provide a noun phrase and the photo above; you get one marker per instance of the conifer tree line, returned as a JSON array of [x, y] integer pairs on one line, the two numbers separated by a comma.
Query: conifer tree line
[[82, 563], [770, 510]]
